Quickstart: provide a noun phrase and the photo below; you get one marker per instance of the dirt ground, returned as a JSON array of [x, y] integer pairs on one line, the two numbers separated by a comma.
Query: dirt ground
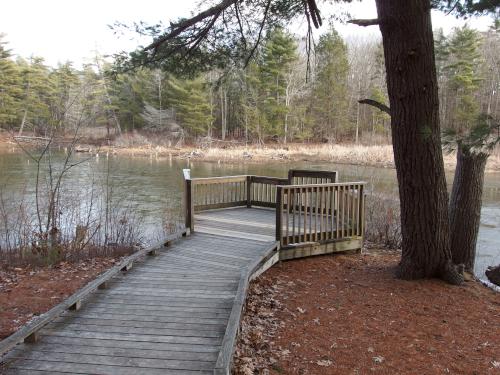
[[347, 314], [28, 292]]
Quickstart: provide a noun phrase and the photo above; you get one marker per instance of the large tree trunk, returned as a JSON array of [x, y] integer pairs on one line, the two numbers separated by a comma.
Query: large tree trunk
[[414, 105], [465, 206]]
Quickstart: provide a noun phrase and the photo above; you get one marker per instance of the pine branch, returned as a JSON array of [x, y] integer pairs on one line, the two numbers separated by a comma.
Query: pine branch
[[178, 28], [376, 104], [365, 22]]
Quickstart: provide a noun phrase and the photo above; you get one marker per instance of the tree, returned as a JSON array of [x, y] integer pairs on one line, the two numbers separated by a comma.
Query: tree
[[64, 80], [38, 89], [473, 148], [470, 135], [278, 54], [10, 88], [330, 84], [189, 99], [463, 68], [414, 105]]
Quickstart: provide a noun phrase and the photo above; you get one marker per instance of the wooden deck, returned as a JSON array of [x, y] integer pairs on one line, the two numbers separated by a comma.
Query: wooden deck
[[179, 311], [167, 315]]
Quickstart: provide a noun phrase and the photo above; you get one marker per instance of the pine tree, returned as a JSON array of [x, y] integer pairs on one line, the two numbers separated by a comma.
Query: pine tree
[[37, 92], [278, 54], [10, 87], [330, 88], [463, 69], [65, 81], [190, 100]]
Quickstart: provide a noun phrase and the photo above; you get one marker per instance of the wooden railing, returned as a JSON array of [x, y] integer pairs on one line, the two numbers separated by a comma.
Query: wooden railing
[[262, 190], [319, 212], [201, 194], [219, 192], [306, 211], [305, 176]]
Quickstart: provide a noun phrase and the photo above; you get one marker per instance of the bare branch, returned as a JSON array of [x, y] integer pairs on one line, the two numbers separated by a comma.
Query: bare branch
[[365, 22], [260, 33], [178, 28], [376, 104]]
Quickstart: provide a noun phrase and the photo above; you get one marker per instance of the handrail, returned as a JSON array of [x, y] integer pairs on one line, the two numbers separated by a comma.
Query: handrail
[[319, 213], [208, 193], [307, 176], [329, 184], [262, 190], [217, 180]]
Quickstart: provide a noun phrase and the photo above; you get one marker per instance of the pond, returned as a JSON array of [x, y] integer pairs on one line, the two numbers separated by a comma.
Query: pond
[[152, 187]]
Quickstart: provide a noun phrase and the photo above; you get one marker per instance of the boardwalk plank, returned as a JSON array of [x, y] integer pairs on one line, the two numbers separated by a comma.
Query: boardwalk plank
[[166, 315], [138, 362], [78, 368], [124, 352]]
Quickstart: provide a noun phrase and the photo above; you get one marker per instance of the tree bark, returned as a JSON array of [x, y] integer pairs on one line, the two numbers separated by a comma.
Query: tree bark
[[465, 206], [414, 106]]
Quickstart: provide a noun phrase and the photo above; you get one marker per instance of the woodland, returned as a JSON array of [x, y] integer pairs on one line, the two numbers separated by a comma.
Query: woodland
[[234, 70], [279, 96]]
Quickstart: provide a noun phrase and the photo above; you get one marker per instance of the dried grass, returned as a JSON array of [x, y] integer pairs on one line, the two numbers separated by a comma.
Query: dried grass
[[233, 151]]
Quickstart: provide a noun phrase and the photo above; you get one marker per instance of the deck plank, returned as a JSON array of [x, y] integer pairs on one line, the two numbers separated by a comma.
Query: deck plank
[[166, 315]]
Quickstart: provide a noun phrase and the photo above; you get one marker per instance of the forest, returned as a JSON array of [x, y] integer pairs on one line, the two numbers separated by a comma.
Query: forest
[[284, 94]]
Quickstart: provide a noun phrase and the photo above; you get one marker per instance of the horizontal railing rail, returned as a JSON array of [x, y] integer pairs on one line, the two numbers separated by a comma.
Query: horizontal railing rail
[[319, 212], [306, 176]]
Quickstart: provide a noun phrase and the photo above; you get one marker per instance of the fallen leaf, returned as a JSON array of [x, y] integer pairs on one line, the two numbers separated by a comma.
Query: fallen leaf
[[324, 363]]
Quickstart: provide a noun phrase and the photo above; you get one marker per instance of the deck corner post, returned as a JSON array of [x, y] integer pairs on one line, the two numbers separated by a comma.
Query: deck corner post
[[188, 200], [249, 191], [362, 209], [279, 213]]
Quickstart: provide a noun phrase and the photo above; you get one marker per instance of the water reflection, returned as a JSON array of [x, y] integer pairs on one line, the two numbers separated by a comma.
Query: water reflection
[[153, 187]]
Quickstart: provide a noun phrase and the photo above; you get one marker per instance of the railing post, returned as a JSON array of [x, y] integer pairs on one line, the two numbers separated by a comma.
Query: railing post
[[279, 214], [249, 191], [188, 200], [362, 202]]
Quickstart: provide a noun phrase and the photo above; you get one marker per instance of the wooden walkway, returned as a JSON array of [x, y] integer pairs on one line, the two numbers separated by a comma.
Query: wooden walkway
[[167, 315], [179, 312]]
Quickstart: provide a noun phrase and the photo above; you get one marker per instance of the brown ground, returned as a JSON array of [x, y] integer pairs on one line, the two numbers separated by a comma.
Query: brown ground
[[28, 292], [347, 314]]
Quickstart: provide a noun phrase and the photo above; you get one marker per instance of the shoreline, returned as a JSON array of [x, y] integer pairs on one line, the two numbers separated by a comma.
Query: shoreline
[[379, 156]]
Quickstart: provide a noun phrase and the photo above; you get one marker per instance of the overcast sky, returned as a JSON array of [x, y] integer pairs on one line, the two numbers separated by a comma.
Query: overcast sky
[[61, 30]]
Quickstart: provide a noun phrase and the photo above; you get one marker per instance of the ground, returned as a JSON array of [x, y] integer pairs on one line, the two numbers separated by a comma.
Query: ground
[[28, 292], [348, 314]]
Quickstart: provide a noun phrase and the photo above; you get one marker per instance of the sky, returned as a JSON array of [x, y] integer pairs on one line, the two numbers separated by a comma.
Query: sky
[[61, 30]]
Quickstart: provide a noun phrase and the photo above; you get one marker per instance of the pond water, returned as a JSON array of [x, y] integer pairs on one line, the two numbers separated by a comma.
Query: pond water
[[152, 187]]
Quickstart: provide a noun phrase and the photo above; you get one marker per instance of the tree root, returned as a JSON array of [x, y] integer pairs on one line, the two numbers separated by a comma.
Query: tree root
[[453, 274]]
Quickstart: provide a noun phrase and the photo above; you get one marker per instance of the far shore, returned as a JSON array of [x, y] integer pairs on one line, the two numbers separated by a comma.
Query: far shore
[[235, 152]]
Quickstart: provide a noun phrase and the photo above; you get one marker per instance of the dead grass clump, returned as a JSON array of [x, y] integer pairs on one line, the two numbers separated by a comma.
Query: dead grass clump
[[383, 221]]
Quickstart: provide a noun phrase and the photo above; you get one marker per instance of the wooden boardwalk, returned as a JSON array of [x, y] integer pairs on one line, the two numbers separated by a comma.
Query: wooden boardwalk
[[179, 312], [167, 315]]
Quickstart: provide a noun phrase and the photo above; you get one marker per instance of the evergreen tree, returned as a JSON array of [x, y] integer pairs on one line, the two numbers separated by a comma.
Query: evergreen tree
[[464, 79], [64, 80], [278, 54], [38, 90], [330, 88], [10, 88], [190, 100]]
